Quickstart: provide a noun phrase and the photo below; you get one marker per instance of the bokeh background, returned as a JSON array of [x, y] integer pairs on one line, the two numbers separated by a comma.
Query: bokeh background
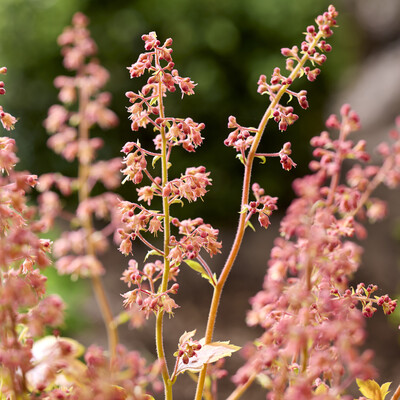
[[223, 45]]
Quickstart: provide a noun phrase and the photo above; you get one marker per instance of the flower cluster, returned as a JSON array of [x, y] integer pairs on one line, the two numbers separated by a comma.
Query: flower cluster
[[69, 128], [148, 108], [196, 235], [266, 203], [313, 327], [145, 109], [147, 300], [25, 310]]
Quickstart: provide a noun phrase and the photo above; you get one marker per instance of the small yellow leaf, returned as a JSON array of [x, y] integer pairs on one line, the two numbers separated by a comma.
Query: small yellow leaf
[[321, 389], [385, 389], [370, 389]]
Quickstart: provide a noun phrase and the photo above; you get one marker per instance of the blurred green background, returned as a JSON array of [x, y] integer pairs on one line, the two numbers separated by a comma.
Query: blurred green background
[[222, 45]]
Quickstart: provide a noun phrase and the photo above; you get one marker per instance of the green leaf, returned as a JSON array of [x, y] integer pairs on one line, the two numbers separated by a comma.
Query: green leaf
[[200, 269], [155, 159], [240, 157], [152, 253], [244, 210], [250, 225], [178, 201], [263, 159], [209, 353]]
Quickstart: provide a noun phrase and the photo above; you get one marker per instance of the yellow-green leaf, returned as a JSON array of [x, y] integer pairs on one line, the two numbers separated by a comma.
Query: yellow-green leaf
[[263, 159], [152, 253], [155, 159], [321, 389], [240, 157], [199, 268], [250, 225]]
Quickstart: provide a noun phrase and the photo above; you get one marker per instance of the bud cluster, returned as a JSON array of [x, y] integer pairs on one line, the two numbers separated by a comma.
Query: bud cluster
[[363, 294], [296, 59], [267, 203], [187, 347]]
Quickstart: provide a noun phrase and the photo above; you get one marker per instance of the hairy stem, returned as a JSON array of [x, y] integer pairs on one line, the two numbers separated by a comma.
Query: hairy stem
[[239, 391], [167, 230], [242, 220], [396, 394], [87, 223]]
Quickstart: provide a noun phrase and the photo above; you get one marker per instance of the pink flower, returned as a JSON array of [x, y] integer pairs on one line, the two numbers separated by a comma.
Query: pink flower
[[7, 120]]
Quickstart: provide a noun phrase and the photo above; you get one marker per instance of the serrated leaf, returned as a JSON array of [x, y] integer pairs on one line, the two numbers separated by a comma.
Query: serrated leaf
[[209, 353], [200, 269], [250, 225], [152, 253], [370, 389], [240, 157], [263, 159], [155, 159]]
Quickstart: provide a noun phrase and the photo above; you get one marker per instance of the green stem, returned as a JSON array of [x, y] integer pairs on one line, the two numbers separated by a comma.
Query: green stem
[[242, 220], [167, 232]]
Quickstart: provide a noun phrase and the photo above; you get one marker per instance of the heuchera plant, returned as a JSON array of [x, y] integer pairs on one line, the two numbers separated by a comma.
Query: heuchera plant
[[312, 319]]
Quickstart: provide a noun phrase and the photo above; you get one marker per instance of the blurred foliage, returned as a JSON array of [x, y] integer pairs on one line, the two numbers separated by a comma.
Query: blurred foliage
[[222, 45]]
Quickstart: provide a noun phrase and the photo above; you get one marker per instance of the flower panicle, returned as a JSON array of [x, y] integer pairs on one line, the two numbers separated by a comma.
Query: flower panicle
[[310, 313]]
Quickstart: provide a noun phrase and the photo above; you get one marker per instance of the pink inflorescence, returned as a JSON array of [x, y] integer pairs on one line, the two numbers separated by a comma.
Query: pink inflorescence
[[147, 109], [313, 327]]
